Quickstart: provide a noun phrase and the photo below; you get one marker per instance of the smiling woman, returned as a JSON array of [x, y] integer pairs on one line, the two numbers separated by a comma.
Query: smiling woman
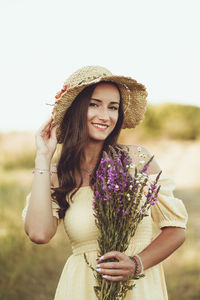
[[88, 115]]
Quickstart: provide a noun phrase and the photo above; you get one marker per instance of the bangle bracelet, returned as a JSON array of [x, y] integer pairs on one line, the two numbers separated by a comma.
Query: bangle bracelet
[[142, 267], [136, 265], [41, 171]]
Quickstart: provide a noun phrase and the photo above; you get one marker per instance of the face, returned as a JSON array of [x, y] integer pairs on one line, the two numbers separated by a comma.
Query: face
[[103, 111]]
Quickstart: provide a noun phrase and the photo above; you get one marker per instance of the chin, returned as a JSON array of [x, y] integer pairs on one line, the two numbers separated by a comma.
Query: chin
[[98, 139], [98, 136]]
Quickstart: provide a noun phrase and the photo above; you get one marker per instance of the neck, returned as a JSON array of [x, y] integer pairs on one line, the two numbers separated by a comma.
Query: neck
[[91, 153]]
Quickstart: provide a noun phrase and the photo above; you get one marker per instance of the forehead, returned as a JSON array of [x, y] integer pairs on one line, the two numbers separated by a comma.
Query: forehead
[[106, 91]]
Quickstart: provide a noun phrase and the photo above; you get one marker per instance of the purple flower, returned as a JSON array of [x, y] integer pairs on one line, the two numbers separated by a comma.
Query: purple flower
[[96, 193], [125, 212], [94, 205]]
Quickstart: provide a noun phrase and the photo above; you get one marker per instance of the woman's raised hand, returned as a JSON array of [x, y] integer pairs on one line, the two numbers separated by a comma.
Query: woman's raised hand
[[46, 140]]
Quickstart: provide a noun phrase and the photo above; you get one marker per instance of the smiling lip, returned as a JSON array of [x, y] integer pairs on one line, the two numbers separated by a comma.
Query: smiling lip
[[100, 126]]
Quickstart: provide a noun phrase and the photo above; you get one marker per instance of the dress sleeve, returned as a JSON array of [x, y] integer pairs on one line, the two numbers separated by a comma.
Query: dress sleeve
[[55, 208], [168, 210]]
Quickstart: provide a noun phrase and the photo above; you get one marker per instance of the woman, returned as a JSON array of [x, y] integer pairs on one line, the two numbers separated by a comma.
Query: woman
[[88, 115]]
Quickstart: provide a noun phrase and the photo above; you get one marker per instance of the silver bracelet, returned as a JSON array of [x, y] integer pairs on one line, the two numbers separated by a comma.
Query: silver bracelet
[[41, 171], [142, 267]]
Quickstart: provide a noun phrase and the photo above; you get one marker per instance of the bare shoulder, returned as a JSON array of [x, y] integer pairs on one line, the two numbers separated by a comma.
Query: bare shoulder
[[54, 177], [140, 156]]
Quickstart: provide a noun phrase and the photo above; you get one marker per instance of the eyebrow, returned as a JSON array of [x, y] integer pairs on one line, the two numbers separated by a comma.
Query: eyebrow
[[98, 100]]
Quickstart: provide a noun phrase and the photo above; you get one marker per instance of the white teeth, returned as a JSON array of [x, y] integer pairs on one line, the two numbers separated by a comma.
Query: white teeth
[[100, 126]]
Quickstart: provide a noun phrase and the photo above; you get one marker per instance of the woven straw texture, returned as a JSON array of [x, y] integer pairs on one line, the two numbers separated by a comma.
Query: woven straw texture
[[133, 95]]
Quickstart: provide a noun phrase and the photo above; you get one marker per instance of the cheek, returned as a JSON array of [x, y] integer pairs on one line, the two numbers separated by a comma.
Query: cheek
[[115, 117], [89, 114]]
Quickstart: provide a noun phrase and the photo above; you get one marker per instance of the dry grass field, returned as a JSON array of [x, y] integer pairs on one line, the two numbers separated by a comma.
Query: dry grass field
[[30, 271]]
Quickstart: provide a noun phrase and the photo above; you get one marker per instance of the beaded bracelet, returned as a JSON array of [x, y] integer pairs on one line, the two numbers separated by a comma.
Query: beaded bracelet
[[41, 171], [136, 265]]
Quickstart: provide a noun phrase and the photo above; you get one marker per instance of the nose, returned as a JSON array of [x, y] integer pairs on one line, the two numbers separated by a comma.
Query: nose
[[103, 114]]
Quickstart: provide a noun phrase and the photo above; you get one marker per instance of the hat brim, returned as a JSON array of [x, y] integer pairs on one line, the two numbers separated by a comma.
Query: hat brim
[[133, 96]]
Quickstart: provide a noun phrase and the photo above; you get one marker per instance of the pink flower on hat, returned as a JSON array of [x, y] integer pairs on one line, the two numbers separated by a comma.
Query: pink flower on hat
[[59, 94]]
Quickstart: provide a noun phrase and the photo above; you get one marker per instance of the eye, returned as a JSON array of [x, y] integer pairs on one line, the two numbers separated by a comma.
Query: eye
[[113, 108], [93, 104]]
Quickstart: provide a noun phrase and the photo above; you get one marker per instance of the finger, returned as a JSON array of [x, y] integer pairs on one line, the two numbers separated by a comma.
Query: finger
[[47, 122], [113, 278], [109, 265], [112, 254], [53, 131], [45, 125], [112, 272]]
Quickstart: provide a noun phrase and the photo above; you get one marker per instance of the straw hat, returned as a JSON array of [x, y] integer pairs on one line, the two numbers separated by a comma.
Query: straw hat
[[133, 95]]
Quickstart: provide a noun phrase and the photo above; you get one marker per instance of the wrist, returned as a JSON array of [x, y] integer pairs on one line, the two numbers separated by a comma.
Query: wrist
[[139, 268], [136, 266], [139, 265], [42, 162]]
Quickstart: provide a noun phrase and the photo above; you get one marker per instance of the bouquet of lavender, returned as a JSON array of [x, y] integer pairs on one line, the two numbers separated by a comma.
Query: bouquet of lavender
[[118, 210]]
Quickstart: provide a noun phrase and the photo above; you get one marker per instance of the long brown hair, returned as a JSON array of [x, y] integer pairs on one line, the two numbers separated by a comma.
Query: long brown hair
[[74, 125]]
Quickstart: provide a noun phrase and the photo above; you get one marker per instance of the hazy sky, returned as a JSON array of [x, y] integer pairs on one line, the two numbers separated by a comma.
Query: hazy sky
[[42, 42]]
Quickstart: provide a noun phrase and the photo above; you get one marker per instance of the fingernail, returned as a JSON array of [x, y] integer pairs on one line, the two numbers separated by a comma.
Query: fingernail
[[104, 276], [102, 257], [98, 265], [98, 269]]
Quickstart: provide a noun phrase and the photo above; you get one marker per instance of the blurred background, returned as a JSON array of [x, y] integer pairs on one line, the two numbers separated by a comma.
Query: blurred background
[[42, 43]]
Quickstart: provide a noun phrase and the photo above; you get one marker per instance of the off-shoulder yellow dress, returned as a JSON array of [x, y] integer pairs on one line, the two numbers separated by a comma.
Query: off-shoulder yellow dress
[[77, 279]]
